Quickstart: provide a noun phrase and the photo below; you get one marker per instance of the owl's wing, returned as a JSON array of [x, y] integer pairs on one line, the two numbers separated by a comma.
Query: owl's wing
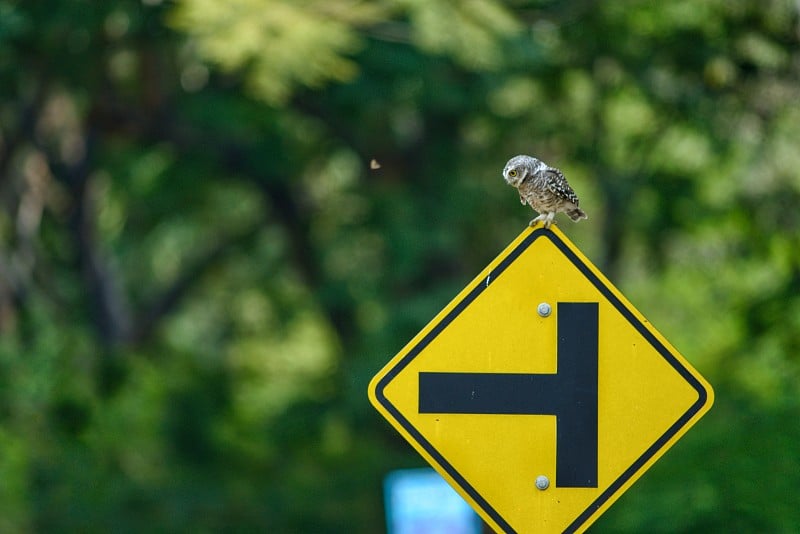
[[558, 185]]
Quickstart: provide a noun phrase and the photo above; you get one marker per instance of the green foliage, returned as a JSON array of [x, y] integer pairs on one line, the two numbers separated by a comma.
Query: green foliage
[[283, 43], [200, 270]]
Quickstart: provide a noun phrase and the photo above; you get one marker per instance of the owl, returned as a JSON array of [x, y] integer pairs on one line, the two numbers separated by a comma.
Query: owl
[[543, 188]]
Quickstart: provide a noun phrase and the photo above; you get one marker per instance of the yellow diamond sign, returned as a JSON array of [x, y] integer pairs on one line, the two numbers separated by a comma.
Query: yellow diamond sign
[[540, 393]]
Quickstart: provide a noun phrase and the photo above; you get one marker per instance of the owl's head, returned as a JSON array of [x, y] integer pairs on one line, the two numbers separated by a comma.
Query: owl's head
[[519, 168]]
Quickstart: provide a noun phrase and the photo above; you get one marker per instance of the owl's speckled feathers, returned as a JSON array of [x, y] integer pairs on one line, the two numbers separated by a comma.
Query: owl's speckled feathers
[[543, 188]]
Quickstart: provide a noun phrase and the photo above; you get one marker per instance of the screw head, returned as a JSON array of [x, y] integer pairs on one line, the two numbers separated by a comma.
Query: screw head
[[544, 309], [542, 482]]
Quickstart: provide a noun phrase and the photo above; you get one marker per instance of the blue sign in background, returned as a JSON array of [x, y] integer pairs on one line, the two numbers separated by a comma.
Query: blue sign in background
[[420, 501]]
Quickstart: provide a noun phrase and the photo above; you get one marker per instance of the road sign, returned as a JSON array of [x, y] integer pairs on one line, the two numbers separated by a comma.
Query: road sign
[[540, 393]]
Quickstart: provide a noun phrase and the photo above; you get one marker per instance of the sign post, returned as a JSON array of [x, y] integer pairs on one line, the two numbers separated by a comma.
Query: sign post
[[540, 393]]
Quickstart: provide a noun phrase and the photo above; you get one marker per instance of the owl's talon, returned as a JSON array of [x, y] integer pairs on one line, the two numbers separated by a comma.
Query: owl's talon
[[546, 218], [537, 219]]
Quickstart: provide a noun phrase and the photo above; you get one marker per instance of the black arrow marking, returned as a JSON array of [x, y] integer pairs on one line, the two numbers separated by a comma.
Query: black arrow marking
[[570, 394]]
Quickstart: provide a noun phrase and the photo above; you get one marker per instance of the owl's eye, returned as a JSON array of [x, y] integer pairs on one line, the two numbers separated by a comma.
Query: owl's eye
[[512, 173]]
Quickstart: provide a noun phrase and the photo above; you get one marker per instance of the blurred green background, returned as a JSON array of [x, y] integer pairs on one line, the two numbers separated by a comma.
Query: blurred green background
[[200, 271]]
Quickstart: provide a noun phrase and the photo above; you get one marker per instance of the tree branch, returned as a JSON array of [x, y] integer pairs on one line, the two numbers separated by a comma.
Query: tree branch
[[108, 303], [147, 321]]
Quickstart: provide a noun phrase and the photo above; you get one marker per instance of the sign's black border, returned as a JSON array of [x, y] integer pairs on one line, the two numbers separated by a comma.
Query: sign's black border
[[471, 296]]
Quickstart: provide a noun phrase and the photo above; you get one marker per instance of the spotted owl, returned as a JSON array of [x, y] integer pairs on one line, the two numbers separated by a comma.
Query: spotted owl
[[543, 188]]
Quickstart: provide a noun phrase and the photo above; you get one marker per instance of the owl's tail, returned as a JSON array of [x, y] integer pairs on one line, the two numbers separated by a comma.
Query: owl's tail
[[577, 214]]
